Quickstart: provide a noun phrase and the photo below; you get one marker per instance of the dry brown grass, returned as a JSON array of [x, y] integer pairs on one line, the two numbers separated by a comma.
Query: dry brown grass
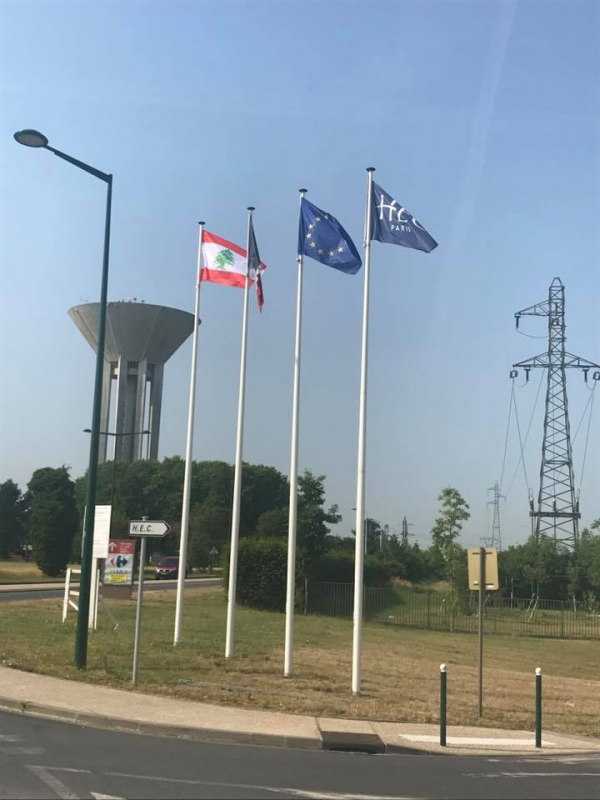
[[400, 665]]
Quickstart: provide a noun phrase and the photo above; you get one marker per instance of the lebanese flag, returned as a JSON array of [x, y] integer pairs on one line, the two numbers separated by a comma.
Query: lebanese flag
[[224, 262]]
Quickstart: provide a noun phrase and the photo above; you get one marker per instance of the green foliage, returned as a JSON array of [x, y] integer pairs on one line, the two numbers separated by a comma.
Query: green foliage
[[337, 566], [262, 572], [453, 512], [154, 489], [273, 524], [411, 562], [13, 507], [313, 521], [533, 568], [54, 518], [374, 533], [210, 526]]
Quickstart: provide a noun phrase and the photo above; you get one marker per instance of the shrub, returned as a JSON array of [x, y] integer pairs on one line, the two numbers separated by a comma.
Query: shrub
[[262, 572], [337, 566]]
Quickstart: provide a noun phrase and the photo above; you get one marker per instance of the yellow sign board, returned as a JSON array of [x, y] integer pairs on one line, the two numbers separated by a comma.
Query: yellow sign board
[[491, 568]]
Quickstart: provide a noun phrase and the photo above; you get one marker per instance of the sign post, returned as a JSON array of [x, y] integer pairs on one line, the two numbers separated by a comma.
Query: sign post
[[143, 528], [483, 575], [102, 516], [482, 555], [138, 612]]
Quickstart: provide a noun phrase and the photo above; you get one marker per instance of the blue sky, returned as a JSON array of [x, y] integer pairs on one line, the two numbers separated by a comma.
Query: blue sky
[[481, 116]]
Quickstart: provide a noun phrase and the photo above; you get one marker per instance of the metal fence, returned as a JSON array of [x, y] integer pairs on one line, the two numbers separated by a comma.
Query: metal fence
[[557, 619]]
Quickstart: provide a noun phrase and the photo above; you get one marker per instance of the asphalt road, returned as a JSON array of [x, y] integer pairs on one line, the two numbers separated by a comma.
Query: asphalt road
[[149, 585], [41, 759]]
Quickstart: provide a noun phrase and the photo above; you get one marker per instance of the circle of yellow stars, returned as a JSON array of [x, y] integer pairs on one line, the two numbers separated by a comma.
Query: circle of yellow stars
[[320, 250]]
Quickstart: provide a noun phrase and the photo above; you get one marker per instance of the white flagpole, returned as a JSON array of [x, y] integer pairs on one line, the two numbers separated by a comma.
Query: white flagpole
[[361, 471], [187, 480], [237, 484], [293, 519]]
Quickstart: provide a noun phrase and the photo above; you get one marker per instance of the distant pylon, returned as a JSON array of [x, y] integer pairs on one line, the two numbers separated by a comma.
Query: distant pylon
[[404, 530], [557, 515], [496, 538]]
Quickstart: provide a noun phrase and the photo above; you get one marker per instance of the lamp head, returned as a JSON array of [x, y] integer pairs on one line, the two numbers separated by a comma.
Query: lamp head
[[31, 138]]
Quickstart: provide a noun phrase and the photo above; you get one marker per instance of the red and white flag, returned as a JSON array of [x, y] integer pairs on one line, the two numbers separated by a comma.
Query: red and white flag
[[224, 262]]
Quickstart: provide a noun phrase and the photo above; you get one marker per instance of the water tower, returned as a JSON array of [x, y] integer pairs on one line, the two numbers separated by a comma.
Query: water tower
[[140, 339]]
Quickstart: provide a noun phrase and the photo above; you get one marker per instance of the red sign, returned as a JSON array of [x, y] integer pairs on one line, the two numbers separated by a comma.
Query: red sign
[[118, 569], [122, 546]]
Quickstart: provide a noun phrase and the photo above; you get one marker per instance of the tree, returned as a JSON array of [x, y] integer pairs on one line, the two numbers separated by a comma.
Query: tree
[[11, 518], [453, 512], [263, 489], [54, 518], [313, 519], [273, 524], [374, 533], [210, 526]]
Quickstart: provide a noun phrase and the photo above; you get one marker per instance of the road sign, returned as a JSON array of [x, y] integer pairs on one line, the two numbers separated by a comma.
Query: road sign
[[118, 569], [102, 516], [154, 529], [491, 568], [213, 551]]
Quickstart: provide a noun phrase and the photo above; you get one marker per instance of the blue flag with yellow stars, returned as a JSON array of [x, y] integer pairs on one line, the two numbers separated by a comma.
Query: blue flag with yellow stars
[[321, 237], [391, 222]]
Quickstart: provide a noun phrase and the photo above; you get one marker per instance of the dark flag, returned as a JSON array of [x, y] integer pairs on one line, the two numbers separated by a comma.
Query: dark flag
[[255, 267], [392, 223], [321, 237]]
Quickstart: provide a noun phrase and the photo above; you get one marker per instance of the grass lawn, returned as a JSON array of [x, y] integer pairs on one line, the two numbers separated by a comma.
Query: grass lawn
[[24, 572], [400, 665], [29, 572]]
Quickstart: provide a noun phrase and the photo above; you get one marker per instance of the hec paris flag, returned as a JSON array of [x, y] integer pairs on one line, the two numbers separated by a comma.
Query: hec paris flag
[[224, 262]]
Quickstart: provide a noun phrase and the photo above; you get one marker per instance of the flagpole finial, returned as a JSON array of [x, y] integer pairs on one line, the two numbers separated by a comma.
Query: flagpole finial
[[370, 169], [251, 208], [303, 191], [202, 222]]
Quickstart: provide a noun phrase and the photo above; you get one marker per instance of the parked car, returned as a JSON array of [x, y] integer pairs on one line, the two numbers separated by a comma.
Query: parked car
[[168, 567]]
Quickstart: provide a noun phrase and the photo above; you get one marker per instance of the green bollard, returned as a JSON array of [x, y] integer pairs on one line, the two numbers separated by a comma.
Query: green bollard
[[538, 707], [443, 676]]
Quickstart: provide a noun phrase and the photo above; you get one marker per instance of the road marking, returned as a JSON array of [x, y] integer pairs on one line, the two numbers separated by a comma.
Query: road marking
[[22, 751], [307, 793], [337, 796], [473, 740], [532, 775], [10, 737], [58, 787], [574, 759], [99, 796]]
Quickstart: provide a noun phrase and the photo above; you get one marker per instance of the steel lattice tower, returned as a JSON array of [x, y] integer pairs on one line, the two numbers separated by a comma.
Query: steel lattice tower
[[557, 515], [404, 530], [496, 538]]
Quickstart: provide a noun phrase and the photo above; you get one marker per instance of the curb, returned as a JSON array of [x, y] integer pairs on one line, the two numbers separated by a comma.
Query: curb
[[91, 720], [326, 741]]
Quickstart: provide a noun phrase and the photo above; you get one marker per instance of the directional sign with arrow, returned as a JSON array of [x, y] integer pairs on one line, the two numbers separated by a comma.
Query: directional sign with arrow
[[153, 529], [118, 570]]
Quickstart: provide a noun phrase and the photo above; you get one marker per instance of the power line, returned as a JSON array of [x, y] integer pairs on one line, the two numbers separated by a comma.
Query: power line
[[587, 437], [537, 397]]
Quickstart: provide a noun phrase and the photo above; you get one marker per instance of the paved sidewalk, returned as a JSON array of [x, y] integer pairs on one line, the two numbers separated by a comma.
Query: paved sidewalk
[[115, 709]]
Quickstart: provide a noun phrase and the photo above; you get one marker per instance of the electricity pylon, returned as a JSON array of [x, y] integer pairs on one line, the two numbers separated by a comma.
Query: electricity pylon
[[557, 515], [405, 533], [496, 538]]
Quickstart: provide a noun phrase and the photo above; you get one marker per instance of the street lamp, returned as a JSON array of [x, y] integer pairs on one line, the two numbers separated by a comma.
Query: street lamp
[[35, 139]]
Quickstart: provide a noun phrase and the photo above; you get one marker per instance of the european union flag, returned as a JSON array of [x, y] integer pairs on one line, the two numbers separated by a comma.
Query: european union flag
[[394, 224], [321, 237]]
